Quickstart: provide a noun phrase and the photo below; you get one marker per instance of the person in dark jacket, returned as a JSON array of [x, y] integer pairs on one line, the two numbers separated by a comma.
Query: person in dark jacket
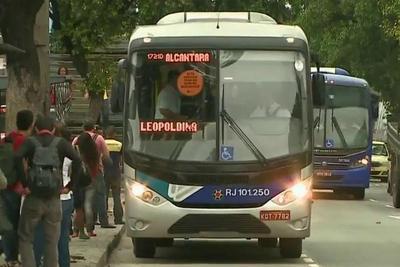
[[36, 208], [12, 194]]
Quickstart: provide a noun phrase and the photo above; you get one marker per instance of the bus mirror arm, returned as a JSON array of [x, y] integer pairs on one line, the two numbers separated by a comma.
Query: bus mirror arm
[[315, 59], [318, 89]]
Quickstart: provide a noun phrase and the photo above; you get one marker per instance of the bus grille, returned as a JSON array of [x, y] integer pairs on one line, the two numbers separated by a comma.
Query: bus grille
[[333, 165], [239, 223], [328, 178]]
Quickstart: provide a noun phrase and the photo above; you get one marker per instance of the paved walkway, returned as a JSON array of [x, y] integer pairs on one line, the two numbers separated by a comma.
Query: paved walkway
[[95, 251]]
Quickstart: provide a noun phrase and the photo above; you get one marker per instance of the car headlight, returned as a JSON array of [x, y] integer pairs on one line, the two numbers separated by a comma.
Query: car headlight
[[144, 193], [360, 163], [300, 190]]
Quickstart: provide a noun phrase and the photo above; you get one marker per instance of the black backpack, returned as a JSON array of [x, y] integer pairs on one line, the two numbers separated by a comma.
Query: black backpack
[[7, 160], [45, 174], [84, 178]]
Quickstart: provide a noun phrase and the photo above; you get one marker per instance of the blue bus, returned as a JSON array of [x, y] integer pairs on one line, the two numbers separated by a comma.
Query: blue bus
[[343, 123]]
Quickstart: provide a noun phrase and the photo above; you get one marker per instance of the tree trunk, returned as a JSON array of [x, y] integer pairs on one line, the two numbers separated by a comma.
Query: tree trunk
[[95, 103], [27, 28]]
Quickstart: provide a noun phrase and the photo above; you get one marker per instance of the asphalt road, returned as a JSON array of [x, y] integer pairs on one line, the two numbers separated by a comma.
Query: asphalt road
[[345, 233]]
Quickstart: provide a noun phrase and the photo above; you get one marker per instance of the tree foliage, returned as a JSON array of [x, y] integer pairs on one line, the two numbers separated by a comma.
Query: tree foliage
[[98, 78], [361, 36], [351, 34], [82, 27]]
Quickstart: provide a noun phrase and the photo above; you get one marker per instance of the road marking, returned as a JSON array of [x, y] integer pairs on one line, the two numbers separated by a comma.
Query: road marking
[[313, 265], [389, 206], [308, 260], [394, 217], [304, 255], [373, 200]]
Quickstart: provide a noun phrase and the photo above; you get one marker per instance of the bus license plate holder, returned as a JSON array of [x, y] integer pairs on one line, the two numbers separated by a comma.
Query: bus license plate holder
[[323, 173], [275, 215]]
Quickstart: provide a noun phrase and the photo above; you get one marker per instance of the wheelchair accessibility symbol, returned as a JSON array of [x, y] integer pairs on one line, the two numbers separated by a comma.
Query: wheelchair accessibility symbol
[[226, 153], [329, 143]]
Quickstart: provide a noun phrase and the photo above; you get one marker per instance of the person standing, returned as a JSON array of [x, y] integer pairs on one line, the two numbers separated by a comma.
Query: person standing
[[44, 154], [100, 197], [67, 206], [5, 224], [12, 194], [112, 173]]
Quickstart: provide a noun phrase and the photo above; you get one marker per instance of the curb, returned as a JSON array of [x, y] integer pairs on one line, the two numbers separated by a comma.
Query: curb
[[103, 261]]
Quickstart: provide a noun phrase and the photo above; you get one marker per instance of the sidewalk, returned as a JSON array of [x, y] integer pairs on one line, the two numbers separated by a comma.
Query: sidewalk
[[96, 250]]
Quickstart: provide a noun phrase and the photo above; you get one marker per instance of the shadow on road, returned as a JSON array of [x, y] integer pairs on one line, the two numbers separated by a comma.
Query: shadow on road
[[330, 195], [218, 251]]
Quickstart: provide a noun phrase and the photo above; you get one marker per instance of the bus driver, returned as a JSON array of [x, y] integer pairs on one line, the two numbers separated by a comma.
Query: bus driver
[[169, 100]]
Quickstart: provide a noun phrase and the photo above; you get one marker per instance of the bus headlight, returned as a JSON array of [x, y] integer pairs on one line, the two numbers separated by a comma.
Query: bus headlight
[[361, 163], [144, 193], [301, 190]]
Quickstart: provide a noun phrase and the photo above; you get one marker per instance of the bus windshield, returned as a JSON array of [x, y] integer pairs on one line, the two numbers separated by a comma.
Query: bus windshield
[[347, 119], [214, 105]]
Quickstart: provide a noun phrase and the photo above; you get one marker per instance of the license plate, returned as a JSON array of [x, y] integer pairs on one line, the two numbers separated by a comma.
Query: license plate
[[275, 215], [322, 173]]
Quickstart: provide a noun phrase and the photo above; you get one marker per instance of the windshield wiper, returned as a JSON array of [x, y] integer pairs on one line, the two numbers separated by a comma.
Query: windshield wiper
[[176, 151], [338, 129], [239, 132], [317, 121]]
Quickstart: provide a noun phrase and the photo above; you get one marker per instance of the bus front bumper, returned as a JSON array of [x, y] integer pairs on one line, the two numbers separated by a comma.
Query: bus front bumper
[[350, 178], [145, 220]]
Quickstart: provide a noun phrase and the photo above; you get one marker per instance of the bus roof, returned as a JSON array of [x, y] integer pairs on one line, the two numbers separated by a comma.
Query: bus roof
[[231, 24], [338, 71], [345, 80]]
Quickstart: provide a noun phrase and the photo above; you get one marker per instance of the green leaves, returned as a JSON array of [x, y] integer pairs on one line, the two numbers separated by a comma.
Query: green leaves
[[356, 35], [99, 77], [361, 36]]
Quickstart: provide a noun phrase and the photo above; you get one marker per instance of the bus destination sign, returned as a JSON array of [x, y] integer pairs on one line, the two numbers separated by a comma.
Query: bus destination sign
[[180, 57]]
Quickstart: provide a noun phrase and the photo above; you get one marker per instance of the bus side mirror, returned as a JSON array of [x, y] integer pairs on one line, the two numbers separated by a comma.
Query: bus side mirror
[[318, 89], [118, 88]]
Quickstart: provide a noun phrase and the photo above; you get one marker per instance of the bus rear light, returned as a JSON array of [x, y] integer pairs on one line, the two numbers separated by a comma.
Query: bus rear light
[[144, 193], [301, 190]]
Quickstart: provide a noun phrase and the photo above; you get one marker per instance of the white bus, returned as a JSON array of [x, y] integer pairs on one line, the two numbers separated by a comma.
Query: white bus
[[217, 131]]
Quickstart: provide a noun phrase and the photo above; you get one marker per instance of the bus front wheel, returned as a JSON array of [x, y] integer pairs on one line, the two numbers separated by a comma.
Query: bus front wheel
[[358, 193], [290, 247], [144, 247]]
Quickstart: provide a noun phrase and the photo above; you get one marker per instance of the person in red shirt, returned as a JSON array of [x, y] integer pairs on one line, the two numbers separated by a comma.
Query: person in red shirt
[[96, 192], [12, 195]]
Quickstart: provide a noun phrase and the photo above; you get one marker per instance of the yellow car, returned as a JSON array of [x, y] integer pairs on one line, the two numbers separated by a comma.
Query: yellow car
[[380, 162]]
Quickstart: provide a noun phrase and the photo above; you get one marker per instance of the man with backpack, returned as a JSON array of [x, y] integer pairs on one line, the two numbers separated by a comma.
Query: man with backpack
[[45, 154], [11, 196]]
